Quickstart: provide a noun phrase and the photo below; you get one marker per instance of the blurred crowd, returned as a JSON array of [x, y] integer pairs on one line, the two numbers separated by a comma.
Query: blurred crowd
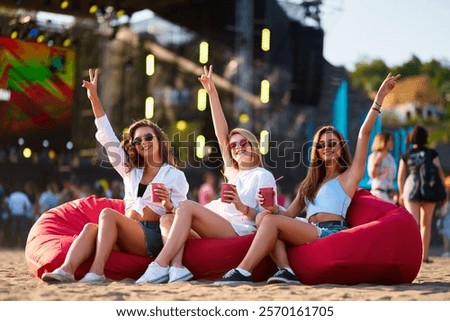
[[22, 203]]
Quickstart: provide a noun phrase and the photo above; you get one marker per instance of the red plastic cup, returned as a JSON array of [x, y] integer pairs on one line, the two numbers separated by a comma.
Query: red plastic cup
[[155, 197], [268, 194], [225, 188]]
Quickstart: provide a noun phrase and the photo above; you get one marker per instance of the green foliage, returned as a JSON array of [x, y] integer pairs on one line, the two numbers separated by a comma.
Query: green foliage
[[367, 76]]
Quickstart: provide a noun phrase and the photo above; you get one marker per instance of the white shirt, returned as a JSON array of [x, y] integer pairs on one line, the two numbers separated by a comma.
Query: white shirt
[[174, 179], [248, 183]]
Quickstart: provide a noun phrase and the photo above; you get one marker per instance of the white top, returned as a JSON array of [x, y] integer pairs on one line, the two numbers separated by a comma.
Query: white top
[[248, 183], [174, 179], [386, 172]]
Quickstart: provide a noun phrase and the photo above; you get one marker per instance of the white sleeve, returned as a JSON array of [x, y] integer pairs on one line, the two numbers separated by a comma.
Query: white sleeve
[[267, 180], [106, 136], [179, 187]]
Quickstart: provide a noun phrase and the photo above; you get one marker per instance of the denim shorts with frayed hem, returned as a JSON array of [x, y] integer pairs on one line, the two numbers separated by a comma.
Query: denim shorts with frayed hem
[[152, 237], [327, 231]]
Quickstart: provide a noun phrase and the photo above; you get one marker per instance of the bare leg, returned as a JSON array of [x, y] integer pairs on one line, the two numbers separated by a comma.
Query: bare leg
[[113, 227], [414, 208], [81, 248], [278, 254], [191, 215], [425, 226], [271, 229], [166, 224]]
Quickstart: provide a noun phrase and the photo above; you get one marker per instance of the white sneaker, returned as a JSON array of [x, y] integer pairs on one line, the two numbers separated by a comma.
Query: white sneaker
[[446, 254], [154, 274], [93, 278], [179, 274], [58, 275]]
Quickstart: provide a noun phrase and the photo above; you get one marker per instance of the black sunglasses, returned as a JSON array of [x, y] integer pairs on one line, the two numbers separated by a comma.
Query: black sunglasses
[[240, 143], [329, 144], [138, 140]]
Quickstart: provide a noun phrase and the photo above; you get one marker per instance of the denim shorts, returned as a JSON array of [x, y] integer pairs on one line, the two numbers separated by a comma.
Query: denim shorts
[[329, 230], [152, 237]]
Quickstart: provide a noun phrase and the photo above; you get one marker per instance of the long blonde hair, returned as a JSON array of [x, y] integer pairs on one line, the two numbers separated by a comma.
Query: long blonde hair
[[316, 170], [380, 141], [257, 158]]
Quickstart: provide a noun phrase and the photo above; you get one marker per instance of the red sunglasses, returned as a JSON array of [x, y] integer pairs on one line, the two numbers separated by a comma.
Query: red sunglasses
[[240, 143]]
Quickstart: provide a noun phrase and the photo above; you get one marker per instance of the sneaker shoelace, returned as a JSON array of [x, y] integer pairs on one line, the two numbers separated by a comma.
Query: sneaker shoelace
[[230, 273]]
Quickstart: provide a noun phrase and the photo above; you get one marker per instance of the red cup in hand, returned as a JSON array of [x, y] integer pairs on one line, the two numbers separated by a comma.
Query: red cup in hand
[[225, 188], [154, 187], [268, 194]]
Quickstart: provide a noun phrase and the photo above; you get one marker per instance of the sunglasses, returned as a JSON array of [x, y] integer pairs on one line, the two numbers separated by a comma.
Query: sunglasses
[[138, 140], [240, 143], [329, 144]]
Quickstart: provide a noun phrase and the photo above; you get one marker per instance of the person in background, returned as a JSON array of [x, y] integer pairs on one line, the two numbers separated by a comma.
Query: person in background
[[244, 169], [49, 198], [138, 231], [207, 191], [20, 207], [326, 192], [409, 183], [445, 225], [382, 168]]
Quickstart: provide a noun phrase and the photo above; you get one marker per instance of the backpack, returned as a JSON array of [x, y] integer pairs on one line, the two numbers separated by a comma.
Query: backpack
[[431, 186]]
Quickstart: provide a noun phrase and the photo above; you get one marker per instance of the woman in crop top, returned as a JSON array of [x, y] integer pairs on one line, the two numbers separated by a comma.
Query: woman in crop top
[[143, 157], [243, 168], [330, 183]]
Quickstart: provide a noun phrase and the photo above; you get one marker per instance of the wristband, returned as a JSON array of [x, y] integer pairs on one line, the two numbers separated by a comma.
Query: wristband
[[171, 210]]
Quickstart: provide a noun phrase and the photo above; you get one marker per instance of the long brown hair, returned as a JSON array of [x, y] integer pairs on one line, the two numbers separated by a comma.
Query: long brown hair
[[229, 160], [316, 170], [136, 160]]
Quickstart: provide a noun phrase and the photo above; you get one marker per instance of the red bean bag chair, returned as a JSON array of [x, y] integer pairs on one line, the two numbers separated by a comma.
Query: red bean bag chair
[[53, 233], [382, 247]]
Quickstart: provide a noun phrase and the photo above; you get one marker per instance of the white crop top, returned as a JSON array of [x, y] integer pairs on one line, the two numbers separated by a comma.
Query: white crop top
[[331, 198]]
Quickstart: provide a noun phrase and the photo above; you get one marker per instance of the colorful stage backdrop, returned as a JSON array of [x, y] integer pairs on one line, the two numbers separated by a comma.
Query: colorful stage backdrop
[[36, 87]]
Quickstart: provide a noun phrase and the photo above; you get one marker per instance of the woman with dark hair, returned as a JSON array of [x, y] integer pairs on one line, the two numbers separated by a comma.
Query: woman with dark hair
[[381, 167], [326, 192], [217, 219], [410, 183], [142, 158]]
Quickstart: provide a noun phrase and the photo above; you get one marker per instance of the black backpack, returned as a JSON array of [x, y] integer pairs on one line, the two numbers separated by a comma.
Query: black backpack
[[431, 186]]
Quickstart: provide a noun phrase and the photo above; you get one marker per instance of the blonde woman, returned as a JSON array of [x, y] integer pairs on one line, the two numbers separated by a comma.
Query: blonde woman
[[382, 168]]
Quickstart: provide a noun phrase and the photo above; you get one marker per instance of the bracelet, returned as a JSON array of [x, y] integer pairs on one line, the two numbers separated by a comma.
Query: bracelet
[[171, 211], [278, 211], [377, 109], [377, 103]]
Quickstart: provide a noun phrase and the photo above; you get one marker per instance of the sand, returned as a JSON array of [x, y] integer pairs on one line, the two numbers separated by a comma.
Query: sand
[[18, 284]]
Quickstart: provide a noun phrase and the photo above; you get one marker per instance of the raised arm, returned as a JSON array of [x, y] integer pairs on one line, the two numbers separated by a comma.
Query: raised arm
[[218, 117], [105, 133], [356, 170], [92, 94]]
